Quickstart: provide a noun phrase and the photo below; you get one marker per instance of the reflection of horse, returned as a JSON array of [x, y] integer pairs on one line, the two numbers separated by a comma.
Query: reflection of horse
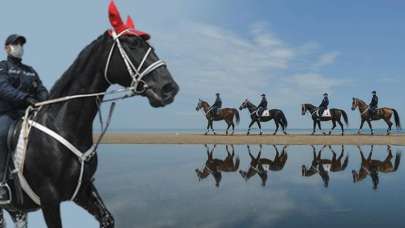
[[119, 56], [257, 164], [226, 114], [323, 166], [336, 115], [279, 160], [256, 167], [276, 114], [215, 166], [372, 167], [381, 113]]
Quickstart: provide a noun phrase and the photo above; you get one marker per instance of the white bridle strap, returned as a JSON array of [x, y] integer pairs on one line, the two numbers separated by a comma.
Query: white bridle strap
[[134, 72]]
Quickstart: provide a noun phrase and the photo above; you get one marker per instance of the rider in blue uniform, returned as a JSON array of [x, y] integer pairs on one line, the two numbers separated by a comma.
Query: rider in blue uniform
[[372, 108], [324, 105], [262, 106], [20, 87], [217, 105]]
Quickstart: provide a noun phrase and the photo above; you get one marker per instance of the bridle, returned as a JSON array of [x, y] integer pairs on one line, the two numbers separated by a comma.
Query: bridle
[[138, 85]]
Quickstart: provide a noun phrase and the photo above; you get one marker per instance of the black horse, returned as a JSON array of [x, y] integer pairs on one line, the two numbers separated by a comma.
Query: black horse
[[276, 114], [336, 116], [50, 168]]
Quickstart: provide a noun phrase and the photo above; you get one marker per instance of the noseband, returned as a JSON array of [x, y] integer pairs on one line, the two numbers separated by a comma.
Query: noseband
[[138, 85]]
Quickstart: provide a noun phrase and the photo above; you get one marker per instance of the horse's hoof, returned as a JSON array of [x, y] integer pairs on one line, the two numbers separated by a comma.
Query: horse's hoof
[[274, 133], [206, 133], [261, 133], [313, 133], [285, 133]]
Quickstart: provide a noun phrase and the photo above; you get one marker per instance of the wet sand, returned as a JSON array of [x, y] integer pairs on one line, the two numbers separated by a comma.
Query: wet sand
[[294, 139]]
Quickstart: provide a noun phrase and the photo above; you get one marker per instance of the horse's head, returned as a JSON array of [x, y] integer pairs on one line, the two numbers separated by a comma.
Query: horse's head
[[199, 105], [132, 62], [244, 104], [355, 104], [303, 109]]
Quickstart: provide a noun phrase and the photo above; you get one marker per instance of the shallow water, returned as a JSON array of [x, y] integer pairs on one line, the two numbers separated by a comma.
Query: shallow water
[[157, 186]]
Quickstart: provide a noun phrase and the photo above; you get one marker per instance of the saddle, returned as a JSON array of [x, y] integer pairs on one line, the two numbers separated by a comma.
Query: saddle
[[265, 113], [15, 190], [326, 113]]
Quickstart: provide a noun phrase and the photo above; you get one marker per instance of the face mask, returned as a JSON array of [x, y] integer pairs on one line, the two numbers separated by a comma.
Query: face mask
[[16, 51]]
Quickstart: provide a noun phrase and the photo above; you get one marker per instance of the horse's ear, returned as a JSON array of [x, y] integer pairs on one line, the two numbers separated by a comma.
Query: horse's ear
[[130, 23], [115, 17]]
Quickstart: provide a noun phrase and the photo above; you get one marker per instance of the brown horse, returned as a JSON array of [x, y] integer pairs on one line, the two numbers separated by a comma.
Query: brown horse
[[373, 167], [381, 113], [215, 166], [227, 114], [336, 115], [323, 166]]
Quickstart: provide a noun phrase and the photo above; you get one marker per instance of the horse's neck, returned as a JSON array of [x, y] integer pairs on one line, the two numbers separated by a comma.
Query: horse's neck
[[362, 105], [251, 107], [206, 107], [311, 108], [75, 117]]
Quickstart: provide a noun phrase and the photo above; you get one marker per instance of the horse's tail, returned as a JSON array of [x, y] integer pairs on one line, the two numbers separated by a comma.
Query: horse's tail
[[397, 161], [237, 117], [345, 162], [344, 114], [284, 119], [397, 120]]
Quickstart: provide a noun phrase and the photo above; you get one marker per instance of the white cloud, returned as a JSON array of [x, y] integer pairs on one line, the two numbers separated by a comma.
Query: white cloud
[[326, 59]]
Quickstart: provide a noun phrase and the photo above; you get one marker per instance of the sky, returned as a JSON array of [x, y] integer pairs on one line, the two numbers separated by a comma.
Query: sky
[[293, 51]]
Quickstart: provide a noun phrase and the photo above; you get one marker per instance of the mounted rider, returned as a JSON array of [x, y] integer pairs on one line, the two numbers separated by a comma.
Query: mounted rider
[[217, 105], [262, 106], [324, 105], [20, 87], [372, 108]]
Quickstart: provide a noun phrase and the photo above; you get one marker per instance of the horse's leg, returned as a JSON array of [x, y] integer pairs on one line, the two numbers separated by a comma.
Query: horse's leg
[[51, 211], [371, 127], [250, 125], [212, 127], [260, 127], [389, 123], [277, 126], [90, 200], [233, 128], [361, 126], [314, 128], [2, 221], [333, 126], [208, 128], [19, 218], [229, 125], [341, 126]]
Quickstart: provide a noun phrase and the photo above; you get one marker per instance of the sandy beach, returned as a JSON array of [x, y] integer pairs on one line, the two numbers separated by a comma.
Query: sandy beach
[[294, 139]]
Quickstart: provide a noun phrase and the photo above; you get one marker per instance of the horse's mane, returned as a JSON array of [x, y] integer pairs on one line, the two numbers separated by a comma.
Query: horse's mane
[[251, 104], [359, 100], [77, 68]]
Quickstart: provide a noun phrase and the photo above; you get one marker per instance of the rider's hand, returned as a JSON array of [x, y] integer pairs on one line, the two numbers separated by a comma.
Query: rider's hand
[[31, 101]]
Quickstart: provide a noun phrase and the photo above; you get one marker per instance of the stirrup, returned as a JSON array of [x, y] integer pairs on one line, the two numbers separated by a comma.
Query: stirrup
[[7, 188]]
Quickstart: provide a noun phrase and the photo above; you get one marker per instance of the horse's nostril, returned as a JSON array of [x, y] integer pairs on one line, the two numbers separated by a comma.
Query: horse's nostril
[[170, 88]]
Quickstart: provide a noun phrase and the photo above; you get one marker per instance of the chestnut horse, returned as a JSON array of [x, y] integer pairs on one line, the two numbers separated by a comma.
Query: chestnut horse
[[381, 113], [372, 167], [215, 166], [227, 114]]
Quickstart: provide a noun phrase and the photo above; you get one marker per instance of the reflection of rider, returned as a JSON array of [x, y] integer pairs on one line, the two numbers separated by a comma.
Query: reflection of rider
[[262, 106], [372, 108], [324, 105], [217, 104], [20, 87]]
